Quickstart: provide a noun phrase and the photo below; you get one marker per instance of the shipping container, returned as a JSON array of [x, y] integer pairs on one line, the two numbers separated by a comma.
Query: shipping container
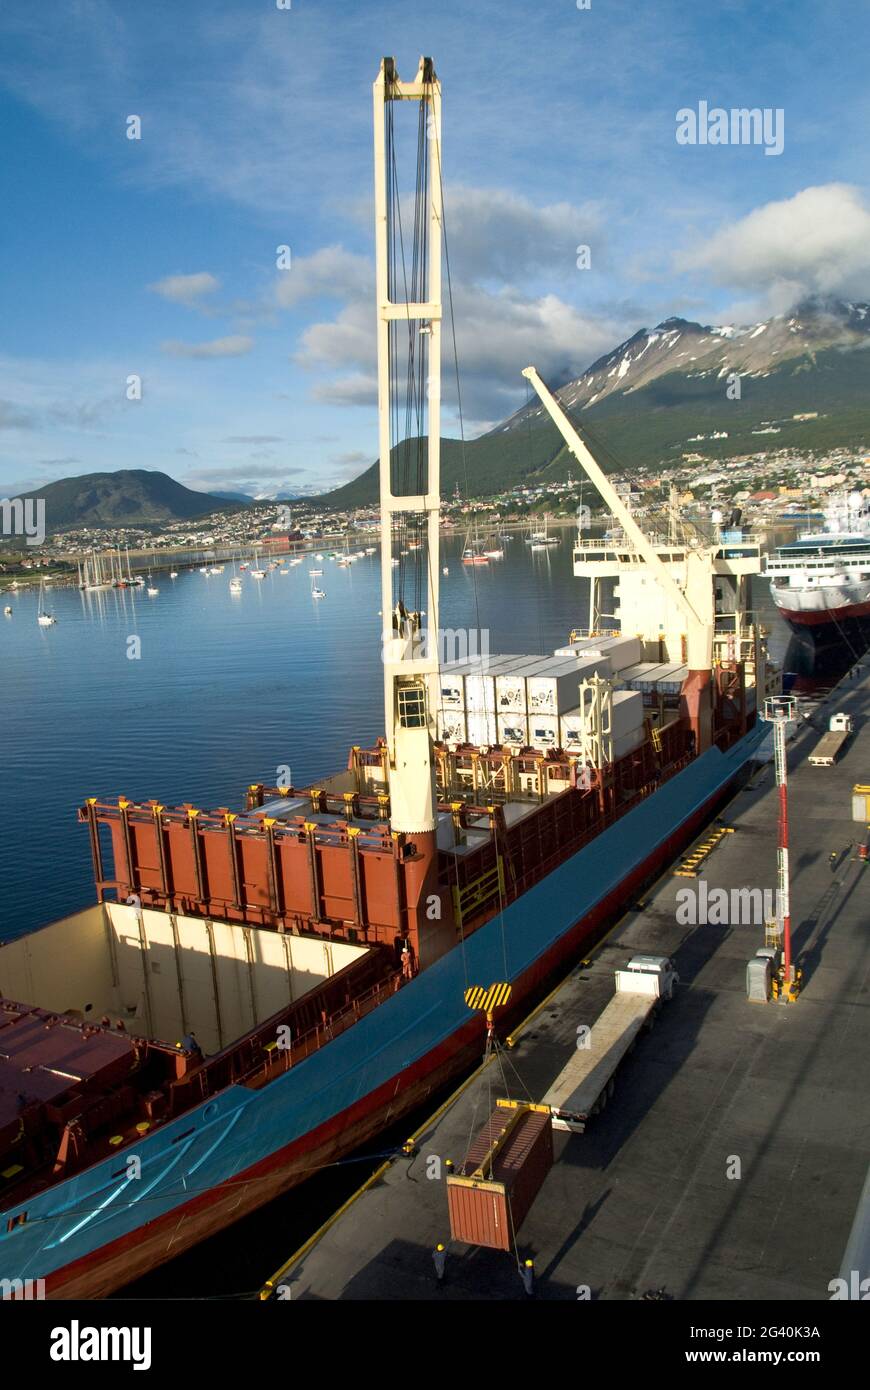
[[628, 743], [644, 676], [670, 679], [513, 729], [500, 1177], [510, 689], [543, 731], [452, 685], [633, 676], [621, 651], [628, 716], [481, 728], [451, 726], [480, 683], [557, 690]]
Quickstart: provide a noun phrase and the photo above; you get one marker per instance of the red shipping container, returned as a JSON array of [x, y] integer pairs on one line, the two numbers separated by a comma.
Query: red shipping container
[[502, 1174]]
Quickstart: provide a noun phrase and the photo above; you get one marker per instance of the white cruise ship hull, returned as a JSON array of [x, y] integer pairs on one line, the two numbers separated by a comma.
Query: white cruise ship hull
[[817, 604]]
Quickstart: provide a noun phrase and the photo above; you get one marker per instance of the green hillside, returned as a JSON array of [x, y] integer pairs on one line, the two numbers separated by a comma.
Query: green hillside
[[128, 497], [654, 424]]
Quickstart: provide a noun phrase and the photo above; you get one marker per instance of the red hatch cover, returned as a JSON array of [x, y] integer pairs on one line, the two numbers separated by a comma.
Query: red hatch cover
[[42, 1056]]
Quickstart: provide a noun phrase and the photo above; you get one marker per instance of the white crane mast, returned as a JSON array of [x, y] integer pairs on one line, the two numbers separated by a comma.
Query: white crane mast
[[410, 653]]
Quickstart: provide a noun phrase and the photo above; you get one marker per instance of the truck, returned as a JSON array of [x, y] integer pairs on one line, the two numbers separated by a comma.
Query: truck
[[585, 1085], [831, 744]]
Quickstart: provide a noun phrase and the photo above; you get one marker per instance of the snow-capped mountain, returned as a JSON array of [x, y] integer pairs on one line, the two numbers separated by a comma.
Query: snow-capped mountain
[[700, 352]]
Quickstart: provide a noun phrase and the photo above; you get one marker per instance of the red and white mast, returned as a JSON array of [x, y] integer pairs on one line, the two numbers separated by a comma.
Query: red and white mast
[[780, 710]]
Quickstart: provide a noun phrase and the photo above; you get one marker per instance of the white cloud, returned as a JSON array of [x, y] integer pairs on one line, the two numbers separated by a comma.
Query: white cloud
[[817, 242], [498, 333], [494, 234], [186, 289], [501, 246], [330, 272], [234, 346]]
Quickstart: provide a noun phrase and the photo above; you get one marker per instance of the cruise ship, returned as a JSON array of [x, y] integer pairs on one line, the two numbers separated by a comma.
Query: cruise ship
[[254, 994], [821, 580]]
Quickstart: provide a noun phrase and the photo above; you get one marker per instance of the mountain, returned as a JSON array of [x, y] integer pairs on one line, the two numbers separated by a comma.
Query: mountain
[[649, 400], [128, 497]]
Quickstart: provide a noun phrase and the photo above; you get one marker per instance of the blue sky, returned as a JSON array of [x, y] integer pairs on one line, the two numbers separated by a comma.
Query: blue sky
[[157, 256]]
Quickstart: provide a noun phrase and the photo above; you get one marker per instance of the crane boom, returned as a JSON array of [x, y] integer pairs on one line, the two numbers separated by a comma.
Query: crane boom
[[699, 628]]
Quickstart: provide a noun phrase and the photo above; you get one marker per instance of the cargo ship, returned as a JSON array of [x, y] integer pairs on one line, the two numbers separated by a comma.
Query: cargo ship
[[254, 994]]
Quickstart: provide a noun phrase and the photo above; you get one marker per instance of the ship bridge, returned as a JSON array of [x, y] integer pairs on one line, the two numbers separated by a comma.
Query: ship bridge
[[734, 554]]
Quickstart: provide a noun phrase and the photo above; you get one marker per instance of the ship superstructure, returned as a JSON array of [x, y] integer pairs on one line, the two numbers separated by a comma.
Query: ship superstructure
[[255, 993]]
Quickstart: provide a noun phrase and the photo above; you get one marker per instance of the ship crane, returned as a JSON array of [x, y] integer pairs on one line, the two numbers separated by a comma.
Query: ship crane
[[694, 601]]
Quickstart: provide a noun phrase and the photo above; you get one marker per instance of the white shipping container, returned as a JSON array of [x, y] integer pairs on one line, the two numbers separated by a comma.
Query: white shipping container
[[451, 691], [451, 726], [669, 679], [557, 691], [634, 676], [510, 688], [543, 731], [628, 716], [452, 684], [628, 743], [622, 651], [481, 728], [480, 681], [628, 712], [513, 729]]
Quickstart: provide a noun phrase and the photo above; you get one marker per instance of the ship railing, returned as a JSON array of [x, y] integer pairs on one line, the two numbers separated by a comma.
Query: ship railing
[[580, 634], [273, 1047], [345, 809], [281, 1059]]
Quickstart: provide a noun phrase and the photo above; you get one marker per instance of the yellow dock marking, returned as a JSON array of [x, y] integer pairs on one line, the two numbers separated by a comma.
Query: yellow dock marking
[[688, 867]]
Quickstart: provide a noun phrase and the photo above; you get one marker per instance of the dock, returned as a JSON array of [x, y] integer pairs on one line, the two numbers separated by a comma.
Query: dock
[[730, 1161]]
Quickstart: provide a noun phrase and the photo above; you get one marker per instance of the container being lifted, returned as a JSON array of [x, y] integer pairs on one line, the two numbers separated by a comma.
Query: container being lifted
[[831, 744], [585, 1085], [501, 1175]]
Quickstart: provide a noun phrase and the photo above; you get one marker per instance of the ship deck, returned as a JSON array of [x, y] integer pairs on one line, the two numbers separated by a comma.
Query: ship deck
[[643, 1199]]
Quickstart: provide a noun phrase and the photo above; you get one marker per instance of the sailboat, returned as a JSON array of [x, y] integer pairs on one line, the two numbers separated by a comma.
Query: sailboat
[[152, 589], [471, 552], [317, 592], [256, 572], [44, 618], [235, 582], [539, 540]]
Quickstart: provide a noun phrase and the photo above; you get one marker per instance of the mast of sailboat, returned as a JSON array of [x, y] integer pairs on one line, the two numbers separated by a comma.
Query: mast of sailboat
[[410, 653]]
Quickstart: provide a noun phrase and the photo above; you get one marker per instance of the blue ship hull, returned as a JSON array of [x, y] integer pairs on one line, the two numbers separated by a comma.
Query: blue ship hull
[[99, 1229]]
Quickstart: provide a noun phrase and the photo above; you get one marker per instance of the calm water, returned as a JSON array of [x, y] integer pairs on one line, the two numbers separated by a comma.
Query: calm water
[[227, 689]]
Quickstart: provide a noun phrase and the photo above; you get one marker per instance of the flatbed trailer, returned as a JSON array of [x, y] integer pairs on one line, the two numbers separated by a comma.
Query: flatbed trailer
[[831, 744], [585, 1085]]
